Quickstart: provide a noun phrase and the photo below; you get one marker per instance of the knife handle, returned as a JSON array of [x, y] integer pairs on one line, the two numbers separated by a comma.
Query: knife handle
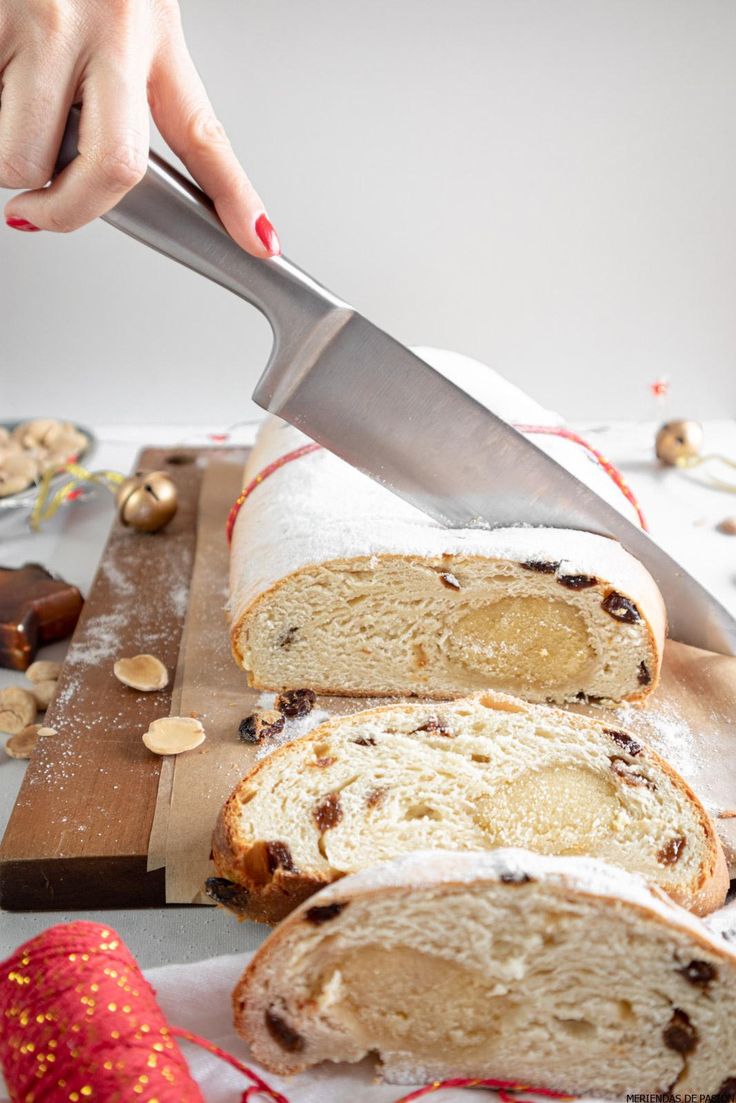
[[169, 213]]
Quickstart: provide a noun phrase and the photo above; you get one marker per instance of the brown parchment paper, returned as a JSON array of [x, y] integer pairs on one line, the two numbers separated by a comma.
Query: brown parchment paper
[[690, 720]]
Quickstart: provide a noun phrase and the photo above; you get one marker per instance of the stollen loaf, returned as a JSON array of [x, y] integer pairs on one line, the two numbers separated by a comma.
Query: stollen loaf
[[474, 774], [559, 973], [339, 585]]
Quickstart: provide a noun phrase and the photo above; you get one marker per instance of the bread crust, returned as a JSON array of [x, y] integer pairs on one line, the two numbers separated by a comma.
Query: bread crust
[[270, 900]]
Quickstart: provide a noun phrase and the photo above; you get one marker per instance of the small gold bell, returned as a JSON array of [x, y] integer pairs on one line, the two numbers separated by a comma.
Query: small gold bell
[[678, 441], [147, 501]]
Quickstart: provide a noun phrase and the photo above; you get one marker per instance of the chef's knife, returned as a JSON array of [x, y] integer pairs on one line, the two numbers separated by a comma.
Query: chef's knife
[[367, 398]]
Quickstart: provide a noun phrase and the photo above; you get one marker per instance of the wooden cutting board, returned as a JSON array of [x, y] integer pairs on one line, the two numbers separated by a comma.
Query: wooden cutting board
[[78, 834]]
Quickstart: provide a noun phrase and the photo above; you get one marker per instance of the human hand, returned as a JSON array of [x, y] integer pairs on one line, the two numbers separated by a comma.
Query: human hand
[[117, 58]]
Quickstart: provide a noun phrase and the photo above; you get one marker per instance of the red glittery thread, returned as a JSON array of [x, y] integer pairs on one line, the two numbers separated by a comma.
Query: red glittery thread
[[79, 1022], [613, 472], [547, 430], [503, 1087], [268, 470]]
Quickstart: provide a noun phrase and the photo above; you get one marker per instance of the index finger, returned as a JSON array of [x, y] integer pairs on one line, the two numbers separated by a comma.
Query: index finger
[[185, 117]]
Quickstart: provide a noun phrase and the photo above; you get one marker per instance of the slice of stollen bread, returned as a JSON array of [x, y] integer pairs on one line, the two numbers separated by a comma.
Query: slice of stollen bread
[[473, 774], [562, 973]]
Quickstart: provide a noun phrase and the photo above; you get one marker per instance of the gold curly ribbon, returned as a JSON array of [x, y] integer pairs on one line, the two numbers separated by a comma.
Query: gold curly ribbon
[[685, 463], [46, 503]]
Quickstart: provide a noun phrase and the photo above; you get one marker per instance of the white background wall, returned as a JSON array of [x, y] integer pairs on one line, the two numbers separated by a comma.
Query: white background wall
[[547, 185]]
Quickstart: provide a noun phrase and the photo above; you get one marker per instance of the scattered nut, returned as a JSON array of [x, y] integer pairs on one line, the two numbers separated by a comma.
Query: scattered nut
[[43, 671], [33, 448], [44, 731], [44, 693], [17, 709], [174, 734], [23, 744], [727, 526], [144, 672], [296, 702], [261, 725], [17, 471]]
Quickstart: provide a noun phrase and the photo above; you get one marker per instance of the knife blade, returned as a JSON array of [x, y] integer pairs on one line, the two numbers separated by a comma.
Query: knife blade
[[387, 412], [356, 390]]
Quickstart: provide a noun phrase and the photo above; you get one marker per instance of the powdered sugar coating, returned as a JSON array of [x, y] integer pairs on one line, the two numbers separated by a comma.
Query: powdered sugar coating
[[318, 509]]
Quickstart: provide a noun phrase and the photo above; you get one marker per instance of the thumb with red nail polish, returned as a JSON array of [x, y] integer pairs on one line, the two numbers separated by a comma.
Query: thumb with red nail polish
[[21, 224], [268, 235]]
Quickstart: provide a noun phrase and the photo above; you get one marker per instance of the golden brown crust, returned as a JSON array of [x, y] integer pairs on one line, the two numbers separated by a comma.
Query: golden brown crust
[[271, 893], [271, 897]]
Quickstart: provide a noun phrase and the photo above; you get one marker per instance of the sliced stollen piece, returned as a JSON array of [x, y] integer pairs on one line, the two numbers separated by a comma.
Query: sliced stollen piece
[[562, 973], [472, 774], [337, 584]]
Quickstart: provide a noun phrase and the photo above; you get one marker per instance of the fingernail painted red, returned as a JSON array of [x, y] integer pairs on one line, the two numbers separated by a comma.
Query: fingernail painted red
[[22, 224], [268, 235]]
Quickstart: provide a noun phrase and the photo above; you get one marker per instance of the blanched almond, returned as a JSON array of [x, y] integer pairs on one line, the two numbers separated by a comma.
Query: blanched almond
[[23, 744], [43, 671], [174, 734], [144, 672], [44, 693], [17, 709]]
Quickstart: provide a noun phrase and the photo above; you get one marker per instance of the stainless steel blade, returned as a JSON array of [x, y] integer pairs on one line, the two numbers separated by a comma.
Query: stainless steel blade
[[367, 398], [388, 413]]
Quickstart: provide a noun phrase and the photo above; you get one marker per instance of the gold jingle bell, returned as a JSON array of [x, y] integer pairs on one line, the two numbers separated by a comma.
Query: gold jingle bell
[[678, 442], [147, 501]]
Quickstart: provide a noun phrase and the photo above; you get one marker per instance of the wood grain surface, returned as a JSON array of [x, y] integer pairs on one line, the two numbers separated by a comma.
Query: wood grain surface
[[78, 835]]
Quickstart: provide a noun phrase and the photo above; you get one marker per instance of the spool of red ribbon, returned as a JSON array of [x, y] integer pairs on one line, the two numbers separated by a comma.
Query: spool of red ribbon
[[80, 1023]]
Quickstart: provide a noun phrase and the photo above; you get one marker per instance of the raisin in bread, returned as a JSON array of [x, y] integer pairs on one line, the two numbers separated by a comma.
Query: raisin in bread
[[338, 584], [473, 774], [562, 973]]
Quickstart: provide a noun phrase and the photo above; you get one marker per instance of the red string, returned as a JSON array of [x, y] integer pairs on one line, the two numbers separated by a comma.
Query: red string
[[268, 470], [613, 473], [548, 430], [503, 1087], [260, 1087]]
